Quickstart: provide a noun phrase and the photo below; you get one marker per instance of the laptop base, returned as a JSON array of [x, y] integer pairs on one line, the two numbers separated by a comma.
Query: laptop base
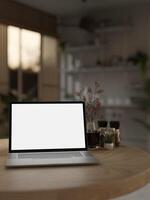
[[85, 159]]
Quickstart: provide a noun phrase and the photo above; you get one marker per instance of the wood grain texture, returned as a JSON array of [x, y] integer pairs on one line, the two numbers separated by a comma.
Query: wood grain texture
[[23, 16], [120, 171]]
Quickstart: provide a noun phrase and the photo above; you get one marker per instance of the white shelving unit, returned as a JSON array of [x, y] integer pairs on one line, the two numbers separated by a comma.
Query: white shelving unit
[[75, 73], [114, 28], [96, 47], [103, 69], [85, 48]]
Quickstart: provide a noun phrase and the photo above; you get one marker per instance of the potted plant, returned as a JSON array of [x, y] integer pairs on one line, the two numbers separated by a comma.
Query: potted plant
[[109, 142], [141, 59]]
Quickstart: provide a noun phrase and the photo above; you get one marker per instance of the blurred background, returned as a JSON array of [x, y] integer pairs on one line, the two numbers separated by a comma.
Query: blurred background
[[50, 50]]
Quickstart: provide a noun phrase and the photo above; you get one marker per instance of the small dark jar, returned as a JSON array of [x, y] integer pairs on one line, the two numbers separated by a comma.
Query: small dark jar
[[93, 139]]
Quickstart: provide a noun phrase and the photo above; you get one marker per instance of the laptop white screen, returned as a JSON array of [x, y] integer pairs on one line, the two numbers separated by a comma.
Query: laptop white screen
[[43, 126]]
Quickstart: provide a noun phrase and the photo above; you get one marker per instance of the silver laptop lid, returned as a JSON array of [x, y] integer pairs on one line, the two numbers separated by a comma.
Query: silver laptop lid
[[47, 126]]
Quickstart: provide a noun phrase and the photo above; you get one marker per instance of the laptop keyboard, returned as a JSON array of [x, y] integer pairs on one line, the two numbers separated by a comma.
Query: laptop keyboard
[[49, 155]]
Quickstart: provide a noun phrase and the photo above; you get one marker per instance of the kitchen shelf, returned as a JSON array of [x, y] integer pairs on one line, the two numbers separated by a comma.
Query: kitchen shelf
[[84, 48], [93, 47], [103, 69], [119, 107], [114, 28]]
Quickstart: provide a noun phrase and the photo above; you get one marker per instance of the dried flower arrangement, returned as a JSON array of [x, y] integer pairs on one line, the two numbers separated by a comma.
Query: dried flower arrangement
[[91, 97]]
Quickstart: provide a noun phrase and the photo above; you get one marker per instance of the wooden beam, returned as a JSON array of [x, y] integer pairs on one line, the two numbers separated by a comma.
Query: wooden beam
[[17, 14]]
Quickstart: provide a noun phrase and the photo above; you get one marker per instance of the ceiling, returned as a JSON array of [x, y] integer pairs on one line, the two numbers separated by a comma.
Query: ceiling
[[75, 7]]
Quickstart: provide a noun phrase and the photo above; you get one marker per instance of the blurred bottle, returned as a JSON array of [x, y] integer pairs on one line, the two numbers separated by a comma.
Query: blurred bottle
[[115, 125]]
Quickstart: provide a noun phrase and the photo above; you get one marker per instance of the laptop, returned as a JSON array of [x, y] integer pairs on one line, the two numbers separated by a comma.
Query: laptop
[[48, 134]]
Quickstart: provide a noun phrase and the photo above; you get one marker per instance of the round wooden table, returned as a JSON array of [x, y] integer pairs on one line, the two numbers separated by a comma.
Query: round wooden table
[[120, 171]]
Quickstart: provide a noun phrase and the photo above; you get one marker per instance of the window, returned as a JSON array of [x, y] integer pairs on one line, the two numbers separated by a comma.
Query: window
[[13, 47], [24, 55]]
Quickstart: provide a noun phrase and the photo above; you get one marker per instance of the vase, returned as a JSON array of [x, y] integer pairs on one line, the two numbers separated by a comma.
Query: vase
[[90, 126]]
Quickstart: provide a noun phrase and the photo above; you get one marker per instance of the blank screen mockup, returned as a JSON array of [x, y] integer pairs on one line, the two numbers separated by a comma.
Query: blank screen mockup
[[47, 126]]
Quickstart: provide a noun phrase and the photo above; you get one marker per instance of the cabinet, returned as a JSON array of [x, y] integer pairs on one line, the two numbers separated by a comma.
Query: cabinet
[[115, 81]]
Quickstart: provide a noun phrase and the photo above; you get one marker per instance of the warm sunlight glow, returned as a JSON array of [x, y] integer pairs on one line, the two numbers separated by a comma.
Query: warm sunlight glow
[[31, 46], [49, 51], [24, 49], [13, 47]]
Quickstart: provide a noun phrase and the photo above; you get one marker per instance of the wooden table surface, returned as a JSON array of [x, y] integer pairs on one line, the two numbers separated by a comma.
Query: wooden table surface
[[120, 171]]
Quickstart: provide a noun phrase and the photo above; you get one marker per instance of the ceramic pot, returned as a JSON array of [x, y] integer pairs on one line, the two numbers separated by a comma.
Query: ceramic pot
[[109, 146]]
